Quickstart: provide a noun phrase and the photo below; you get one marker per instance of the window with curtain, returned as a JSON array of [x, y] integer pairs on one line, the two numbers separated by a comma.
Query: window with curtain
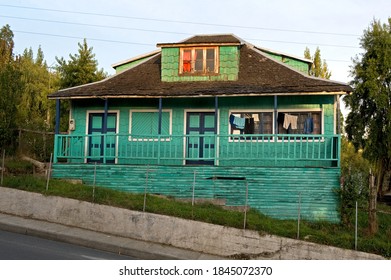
[[200, 60]]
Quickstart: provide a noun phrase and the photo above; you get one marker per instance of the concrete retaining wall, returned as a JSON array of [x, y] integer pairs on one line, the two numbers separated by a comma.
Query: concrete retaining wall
[[186, 234]]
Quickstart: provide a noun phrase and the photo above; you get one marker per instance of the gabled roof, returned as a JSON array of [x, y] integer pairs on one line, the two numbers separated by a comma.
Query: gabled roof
[[258, 75], [215, 39]]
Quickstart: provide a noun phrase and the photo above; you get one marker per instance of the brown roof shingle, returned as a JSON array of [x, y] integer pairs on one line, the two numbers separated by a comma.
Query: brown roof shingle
[[258, 75]]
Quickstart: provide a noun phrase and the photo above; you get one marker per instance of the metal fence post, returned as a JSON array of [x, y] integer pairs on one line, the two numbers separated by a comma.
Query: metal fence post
[[245, 207], [298, 217], [356, 228], [145, 190], [93, 186], [193, 195], [49, 172], [2, 168]]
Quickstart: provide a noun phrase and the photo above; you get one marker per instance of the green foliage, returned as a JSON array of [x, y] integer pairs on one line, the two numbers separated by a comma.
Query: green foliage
[[355, 177], [368, 124], [319, 68], [81, 68], [35, 110], [25, 82]]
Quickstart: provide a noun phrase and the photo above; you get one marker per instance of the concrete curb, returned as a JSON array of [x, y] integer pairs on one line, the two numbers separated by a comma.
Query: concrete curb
[[115, 244]]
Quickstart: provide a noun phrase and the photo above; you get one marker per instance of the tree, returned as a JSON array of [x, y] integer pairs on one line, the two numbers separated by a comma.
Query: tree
[[81, 68], [368, 124], [34, 109], [10, 87], [319, 68]]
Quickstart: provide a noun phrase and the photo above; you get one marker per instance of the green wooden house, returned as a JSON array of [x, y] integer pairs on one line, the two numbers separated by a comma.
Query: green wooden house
[[211, 117]]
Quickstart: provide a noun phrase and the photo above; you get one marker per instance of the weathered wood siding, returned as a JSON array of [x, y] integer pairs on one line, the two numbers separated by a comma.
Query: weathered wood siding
[[276, 192]]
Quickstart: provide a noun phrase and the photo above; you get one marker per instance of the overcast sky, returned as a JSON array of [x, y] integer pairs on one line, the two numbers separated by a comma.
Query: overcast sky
[[120, 29]]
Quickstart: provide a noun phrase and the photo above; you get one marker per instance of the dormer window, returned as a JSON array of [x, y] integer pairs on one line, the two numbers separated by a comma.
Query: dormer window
[[199, 61]]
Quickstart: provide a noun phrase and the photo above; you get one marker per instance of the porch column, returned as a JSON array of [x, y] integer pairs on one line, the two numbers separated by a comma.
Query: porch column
[[338, 115], [57, 131], [216, 113], [104, 128], [58, 110], [105, 113], [275, 114], [159, 130]]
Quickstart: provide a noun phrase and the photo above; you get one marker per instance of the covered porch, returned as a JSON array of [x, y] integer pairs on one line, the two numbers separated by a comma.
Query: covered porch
[[263, 150]]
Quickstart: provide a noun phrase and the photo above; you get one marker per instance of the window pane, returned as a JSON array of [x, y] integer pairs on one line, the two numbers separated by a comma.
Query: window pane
[[305, 123], [254, 123], [210, 54], [210, 65], [199, 60], [186, 61]]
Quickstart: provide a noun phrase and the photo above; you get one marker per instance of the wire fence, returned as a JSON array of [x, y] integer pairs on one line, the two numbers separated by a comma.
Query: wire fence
[[36, 144], [239, 188]]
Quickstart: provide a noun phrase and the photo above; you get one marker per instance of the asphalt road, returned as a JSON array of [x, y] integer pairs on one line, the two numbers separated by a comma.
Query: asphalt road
[[14, 246]]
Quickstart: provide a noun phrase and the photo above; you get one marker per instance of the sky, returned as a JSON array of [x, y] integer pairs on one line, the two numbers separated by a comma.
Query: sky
[[121, 29]]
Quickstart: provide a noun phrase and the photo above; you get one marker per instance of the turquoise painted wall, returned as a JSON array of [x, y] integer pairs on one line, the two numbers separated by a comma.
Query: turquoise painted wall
[[297, 64], [275, 192]]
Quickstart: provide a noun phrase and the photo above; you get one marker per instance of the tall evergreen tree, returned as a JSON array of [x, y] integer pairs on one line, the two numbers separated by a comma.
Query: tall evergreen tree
[[319, 68], [81, 68], [368, 124], [10, 87]]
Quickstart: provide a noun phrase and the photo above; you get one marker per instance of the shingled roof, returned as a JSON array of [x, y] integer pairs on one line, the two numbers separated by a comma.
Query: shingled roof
[[258, 75]]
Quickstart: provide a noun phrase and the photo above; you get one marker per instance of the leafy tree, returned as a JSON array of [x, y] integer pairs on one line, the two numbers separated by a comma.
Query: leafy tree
[[319, 68], [81, 68], [34, 108], [6, 45], [368, 124], [10, 87]]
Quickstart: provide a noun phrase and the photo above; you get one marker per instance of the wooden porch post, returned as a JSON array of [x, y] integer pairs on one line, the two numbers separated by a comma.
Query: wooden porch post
[[338, 115], [57, 126], [106, 111], [275, 114], [159, 130], [216, 113], [104, 128]]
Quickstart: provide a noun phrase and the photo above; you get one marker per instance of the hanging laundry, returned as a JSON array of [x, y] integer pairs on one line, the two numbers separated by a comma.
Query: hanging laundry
[[308, 125], [239, 123], [290, 120]]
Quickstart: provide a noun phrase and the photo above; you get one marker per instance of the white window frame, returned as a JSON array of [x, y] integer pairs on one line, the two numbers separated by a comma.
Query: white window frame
[[317, 110], [255, 111]]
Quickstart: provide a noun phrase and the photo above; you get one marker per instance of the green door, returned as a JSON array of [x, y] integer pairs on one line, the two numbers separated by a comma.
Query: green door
[[101, 144], [200, 130]]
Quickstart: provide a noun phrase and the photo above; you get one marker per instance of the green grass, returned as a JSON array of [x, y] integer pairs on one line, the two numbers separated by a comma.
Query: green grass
[[318, 232]]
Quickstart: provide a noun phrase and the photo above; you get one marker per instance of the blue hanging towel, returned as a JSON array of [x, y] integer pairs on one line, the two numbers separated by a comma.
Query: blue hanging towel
[[239, 123], [308, 126]]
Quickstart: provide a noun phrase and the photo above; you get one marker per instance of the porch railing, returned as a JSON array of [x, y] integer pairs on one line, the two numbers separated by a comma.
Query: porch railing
[[217, 149]]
